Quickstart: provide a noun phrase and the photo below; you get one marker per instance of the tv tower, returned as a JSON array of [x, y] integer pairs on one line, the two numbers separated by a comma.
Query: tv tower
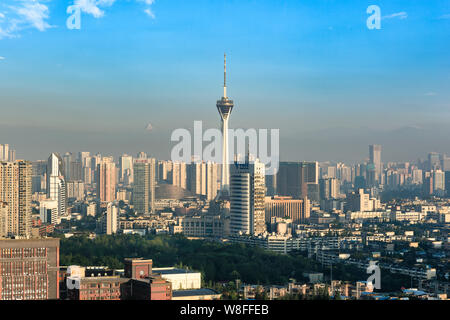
[[225, 106]]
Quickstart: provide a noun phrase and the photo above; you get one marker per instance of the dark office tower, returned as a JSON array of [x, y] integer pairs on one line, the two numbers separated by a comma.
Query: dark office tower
[[144, 185], [371, 173], [329, 188], [38, 176], [428, 185], [76, 171], [375, 159], [15, 191], [271, 185], [67, 160], [447, 183], [360, 182], [29, 269], [313, 192], [293, 178]]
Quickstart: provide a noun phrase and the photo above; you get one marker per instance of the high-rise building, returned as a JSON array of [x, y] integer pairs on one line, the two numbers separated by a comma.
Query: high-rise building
[[360, 201], [3, 219], [225, 106], [4, 152], [76, 171], [15, 191], [179, 174], [298, 210], [247, 195], [126, 169], [144, 185], [29, 269], [329, 188], [75, 190], [83, 157], [293, 179], [67, 160], [439, 182], [434, 161], [211, 180], [375, 159], [142, 155], [48, 211], [106, 180], [56, 183], [196, 176], [111, 219]]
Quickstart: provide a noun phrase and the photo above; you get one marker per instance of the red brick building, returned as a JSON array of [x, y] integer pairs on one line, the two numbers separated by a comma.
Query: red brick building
[[138, 283], [29, 269]]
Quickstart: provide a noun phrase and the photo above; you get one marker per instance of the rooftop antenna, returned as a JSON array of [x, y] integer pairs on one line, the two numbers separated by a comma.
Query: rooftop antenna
[[225, 75]]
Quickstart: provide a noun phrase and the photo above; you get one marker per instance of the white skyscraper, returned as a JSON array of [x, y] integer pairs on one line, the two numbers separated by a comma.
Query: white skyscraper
[[247, 196], [56, 184], [225, 106], [112, 219]]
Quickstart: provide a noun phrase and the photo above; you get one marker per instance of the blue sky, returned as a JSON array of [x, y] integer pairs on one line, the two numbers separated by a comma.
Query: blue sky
[[311, 68]]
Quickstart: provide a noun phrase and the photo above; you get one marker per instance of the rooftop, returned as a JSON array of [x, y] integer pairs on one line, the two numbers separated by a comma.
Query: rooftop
[[172, 270], [195, 292]]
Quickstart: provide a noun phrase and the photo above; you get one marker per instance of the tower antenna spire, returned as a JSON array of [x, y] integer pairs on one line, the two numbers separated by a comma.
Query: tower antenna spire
[[224, 75]]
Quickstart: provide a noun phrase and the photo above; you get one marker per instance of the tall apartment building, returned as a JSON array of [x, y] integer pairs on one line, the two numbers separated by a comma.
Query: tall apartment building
[[56, 183], [144, 185], [112, 219], [196, 178], [4, 152], [360, 201], [439, 182], [15, 191], [329, 188], [247, 189], [106, 180], [7, 154], [298, 210], [29, 269], [3, 219], [179, 175], [126, 169], [75, 190], [48, 211], [375, 160], [212, 186]]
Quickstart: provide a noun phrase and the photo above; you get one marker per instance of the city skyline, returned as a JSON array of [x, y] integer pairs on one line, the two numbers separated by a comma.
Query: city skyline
[[109, 92]]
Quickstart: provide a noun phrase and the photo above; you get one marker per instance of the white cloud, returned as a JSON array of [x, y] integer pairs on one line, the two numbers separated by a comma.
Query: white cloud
[[148, 10], [150, 13], [401, 15], [93, 7], [35, 14], [430, 94], [23, 14], [2, 58]]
